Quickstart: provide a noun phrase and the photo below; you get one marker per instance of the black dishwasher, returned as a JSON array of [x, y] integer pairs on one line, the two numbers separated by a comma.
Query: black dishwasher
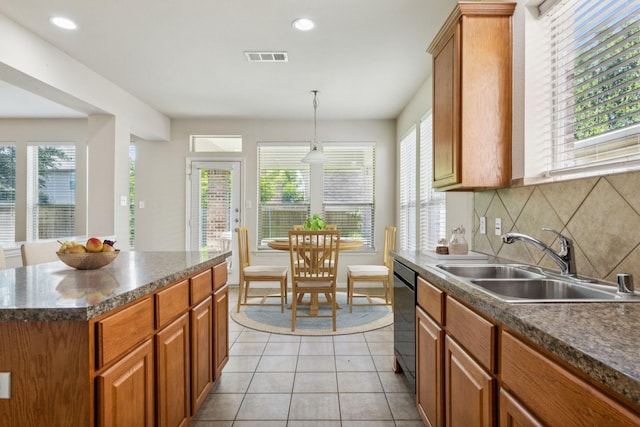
[[404, 319]]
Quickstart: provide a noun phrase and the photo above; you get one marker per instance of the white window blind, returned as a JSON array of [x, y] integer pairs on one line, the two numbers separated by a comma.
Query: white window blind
[[283, 189], [51, 191], [594, 83], [7, 193], [408, 178], [348, 196], [432, 203]]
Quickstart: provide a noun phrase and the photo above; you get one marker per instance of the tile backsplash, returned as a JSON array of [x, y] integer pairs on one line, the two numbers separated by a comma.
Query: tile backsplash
[[600, 214]]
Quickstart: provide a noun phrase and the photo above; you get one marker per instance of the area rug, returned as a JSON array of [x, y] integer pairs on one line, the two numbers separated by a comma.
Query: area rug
[[270, 319]]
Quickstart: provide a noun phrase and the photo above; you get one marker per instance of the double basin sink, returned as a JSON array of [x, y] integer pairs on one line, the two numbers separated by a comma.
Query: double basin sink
[[514, 283]]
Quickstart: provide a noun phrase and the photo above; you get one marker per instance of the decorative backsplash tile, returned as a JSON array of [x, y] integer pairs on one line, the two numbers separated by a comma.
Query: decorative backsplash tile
[[600, 214]]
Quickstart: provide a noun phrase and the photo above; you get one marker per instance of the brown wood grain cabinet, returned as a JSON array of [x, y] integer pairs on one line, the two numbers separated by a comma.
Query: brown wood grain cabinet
[[429, 369], [150, 362], [548, 394], [472, 371], [221, 322], [202, 343], [173, 373], [472, 97], [125, 391], [455, 384]]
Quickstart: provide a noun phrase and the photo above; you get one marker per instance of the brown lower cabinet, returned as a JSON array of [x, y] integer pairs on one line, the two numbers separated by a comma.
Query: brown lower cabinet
[[150, 362], [471, 371], [173, 348], [126, 390], [221, 336]]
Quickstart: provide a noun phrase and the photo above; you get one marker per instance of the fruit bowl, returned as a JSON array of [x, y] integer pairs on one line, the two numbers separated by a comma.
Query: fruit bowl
[[89, 260]]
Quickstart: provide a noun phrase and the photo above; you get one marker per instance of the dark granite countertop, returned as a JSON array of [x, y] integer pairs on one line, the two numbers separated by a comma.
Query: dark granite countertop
[[55, 292], [600, 339]]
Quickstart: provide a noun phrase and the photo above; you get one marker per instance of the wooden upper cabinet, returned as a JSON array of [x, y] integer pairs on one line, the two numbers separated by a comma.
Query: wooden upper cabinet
[[472, 104]]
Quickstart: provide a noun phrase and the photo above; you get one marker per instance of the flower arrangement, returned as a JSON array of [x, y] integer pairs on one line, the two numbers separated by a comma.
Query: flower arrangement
[[314, 223]]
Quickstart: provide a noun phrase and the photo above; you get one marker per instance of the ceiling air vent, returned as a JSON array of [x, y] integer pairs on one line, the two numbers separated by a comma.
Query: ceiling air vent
[[266, 56]]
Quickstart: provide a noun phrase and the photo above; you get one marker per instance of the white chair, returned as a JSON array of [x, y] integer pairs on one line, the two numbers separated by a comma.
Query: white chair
[[39, 252], [258, 273], [3, 262], [374, 273], [310, 273]]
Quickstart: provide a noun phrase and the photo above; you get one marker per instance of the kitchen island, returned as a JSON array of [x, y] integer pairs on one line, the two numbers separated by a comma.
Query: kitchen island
[[565, 350], [113, 346]]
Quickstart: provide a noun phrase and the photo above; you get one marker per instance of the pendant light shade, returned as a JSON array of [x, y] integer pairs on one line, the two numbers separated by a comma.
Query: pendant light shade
[[315, 156]]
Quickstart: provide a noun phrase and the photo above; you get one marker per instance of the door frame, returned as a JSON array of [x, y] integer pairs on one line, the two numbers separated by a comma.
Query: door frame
[[189, 198]]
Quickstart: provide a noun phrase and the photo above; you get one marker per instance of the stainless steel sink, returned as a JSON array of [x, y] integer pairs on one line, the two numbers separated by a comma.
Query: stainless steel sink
[[520, 283], [490, 271], [545, 290]]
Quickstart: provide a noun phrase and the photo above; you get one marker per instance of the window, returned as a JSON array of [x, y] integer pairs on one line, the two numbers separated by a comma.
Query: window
[[595, 85], [7, 193], [432, 203], [51, 189], [216, 143], [283, 189], [348, 196], [407, 167]]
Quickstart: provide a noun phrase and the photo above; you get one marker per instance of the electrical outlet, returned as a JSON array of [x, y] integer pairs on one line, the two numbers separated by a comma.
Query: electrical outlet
[[483, 225], [5, 385], [498, 226]]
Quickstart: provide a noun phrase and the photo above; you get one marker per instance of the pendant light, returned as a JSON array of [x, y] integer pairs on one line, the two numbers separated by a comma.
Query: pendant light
[[315, 156]]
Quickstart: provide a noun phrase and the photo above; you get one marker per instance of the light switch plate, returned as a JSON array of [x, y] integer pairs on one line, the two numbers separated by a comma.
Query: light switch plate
[[123, 200], [5, 385], [483, 225], [498, 226]]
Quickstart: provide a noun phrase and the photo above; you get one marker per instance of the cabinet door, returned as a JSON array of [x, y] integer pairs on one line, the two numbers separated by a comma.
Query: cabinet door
[[513, 414], [469, 389], [446, 141], [201, 352], [429, 392], [221, 329], [173, 372], [125, 391]]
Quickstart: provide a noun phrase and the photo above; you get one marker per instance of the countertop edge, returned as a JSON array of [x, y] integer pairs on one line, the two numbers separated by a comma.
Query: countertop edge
[[86, 313]]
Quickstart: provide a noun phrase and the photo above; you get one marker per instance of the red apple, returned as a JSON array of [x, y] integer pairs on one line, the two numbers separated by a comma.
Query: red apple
[[94, 245]]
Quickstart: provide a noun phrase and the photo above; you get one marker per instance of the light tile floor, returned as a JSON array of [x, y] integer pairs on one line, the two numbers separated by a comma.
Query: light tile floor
[[274, 380]]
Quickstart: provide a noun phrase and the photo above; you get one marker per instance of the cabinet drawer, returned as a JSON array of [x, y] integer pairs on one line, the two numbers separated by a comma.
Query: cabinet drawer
[[121, 331], [555, 395], [172, 302], [219, 276], [201, 286], [474, 332], [431, 299]]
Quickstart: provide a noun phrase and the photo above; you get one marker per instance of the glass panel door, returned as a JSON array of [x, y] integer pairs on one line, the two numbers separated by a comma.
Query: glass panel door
[[215, 209]]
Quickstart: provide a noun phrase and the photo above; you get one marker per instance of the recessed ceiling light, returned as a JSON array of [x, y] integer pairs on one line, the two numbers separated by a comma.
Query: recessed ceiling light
[[62, 22], [304, 24]]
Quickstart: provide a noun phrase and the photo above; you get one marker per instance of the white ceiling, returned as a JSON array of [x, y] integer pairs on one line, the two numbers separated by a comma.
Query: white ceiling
[[186, 58]]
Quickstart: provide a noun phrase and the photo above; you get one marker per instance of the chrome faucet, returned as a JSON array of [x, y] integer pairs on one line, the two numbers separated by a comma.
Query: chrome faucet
[[564, 258]]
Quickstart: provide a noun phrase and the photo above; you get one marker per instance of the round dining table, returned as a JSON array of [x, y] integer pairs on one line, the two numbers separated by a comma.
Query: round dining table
[[346, 244]]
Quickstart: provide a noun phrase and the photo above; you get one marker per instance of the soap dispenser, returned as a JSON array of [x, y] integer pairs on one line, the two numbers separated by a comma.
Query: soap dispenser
[[457, 244]]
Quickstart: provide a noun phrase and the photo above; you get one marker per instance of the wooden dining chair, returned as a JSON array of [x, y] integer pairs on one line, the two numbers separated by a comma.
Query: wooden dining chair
[[3, 261], [258, 273], [310, 273], [39, 252], [298, 227], [374, 273]]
